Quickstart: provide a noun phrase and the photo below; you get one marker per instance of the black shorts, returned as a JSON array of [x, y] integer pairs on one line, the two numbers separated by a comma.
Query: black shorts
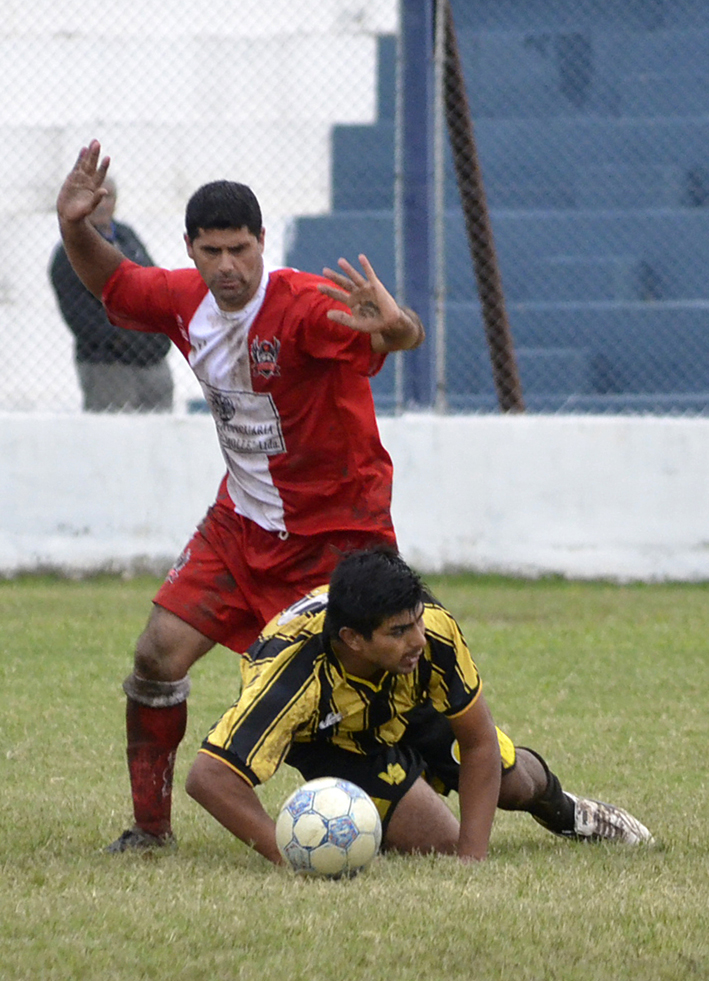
[[385, 776], [429, 750]]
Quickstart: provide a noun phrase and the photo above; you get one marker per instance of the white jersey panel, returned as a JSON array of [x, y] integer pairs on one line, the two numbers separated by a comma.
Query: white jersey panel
[[248, 423]]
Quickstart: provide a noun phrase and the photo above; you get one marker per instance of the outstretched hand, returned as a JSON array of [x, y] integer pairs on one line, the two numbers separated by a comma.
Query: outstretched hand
[[83, 188], [373, 309], [93, 257]]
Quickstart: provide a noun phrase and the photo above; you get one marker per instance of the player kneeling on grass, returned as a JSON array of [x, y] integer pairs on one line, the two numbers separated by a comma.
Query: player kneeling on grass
[[372, 681]]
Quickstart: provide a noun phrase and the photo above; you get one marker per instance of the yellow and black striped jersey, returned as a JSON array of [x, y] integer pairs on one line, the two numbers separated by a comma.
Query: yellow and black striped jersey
[[296, 690]]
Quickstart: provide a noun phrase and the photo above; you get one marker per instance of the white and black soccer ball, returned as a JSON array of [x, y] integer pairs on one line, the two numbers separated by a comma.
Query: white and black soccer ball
[[329, 827]]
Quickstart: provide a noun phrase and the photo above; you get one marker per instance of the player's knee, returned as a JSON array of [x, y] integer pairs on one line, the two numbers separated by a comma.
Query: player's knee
[[421, 823], [153, 655], [524, 783], [168, 647], [194, 785]]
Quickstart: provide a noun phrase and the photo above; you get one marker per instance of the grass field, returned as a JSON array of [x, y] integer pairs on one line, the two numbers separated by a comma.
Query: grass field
[[609, 682]]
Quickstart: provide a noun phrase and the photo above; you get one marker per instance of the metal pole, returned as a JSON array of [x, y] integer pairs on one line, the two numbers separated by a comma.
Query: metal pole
[[439, 212]]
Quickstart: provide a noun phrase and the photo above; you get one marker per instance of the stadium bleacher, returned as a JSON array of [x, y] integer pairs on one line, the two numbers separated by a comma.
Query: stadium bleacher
[[592, 126]]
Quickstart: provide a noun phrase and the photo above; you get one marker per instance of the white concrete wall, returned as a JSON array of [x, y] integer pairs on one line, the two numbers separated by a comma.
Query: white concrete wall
[[584, 497], [620, 498]]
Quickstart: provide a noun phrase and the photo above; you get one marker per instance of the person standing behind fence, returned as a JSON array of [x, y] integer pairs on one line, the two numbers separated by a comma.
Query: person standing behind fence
[[119, 370]]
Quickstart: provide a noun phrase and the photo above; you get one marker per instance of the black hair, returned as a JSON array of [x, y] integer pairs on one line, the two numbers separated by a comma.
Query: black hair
[[368, 587], [222, 204]]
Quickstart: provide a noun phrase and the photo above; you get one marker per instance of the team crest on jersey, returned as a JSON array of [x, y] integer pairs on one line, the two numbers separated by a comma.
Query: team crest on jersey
[[222, 406], [264, 357]]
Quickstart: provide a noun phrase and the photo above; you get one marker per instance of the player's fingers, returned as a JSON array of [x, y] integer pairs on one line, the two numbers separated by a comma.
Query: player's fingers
[[364, 325], [347, 320], [103, 169], [342, 296], [338, 279], [80, 157], [356, 277], [90, 156], [87, 162], [368, 268]]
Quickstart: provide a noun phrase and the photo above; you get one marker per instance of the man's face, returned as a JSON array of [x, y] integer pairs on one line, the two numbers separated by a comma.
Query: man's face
[[230, 261], [395, 646]]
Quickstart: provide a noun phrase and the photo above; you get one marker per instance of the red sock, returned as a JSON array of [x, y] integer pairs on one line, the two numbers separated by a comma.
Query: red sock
[[153, 737]]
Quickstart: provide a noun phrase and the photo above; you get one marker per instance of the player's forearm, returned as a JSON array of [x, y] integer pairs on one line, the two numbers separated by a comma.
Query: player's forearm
[[229, 799], [479, 791], [93, 258], [406, 334]]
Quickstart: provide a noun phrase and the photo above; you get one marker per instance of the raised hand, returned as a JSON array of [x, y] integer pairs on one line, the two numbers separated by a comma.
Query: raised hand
[[83, 188], [373, 309], [93, 257]]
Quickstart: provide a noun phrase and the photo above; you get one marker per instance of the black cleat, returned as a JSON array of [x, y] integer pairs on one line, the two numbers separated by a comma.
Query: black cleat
[[135, 839]]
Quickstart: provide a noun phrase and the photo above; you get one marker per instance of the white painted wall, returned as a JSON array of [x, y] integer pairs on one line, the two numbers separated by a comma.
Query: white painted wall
[[620, 498], [584, 497]]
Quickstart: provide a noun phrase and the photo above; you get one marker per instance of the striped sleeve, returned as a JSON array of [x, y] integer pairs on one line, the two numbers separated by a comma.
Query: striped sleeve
[[454, 682], [254, 735]]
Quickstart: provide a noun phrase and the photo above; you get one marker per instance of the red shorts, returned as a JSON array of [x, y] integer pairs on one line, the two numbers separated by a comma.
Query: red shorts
[[234, 576]]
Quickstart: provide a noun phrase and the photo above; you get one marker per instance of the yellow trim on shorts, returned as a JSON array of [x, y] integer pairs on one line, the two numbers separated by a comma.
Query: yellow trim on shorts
[[507, 750], [216, 756]]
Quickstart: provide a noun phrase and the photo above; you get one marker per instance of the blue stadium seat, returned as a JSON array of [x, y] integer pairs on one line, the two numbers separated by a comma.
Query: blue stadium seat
[[560, 16], [320, 240], [570, 277], [592, 127], [664, 94], [363, 167], [636, 348], [605, 186]]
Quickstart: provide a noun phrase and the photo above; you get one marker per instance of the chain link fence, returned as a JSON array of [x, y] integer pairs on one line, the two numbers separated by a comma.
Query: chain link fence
[[576, 283]]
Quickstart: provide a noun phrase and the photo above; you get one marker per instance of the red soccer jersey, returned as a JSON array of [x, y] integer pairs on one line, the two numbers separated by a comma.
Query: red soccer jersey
[[288, 390]]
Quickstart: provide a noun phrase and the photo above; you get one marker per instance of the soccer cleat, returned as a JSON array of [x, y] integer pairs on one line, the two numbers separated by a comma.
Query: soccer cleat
[[596, 821], [135, 839]]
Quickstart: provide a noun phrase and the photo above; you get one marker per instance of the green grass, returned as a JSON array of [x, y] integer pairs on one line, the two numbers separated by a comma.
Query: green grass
[[609, 683]]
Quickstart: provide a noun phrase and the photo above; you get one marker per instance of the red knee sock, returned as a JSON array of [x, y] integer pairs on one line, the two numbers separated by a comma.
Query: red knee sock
[[153, 737]]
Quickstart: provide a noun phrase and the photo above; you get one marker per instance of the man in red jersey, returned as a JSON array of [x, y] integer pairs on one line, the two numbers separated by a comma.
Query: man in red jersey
[[284, 360]]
